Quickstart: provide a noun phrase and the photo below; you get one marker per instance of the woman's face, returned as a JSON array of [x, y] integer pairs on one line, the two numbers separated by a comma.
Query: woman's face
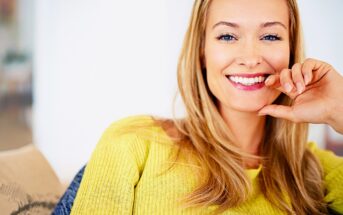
[[245, 41]]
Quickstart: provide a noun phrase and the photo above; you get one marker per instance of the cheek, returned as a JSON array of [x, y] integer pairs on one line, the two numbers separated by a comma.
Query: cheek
[[217, 57], [278, 59]]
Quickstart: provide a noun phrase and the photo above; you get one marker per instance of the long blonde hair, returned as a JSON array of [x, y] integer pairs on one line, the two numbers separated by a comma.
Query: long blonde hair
[[291, 176]]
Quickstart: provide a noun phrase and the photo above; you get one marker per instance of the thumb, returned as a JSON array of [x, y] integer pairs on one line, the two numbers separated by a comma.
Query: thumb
[[278, 111]]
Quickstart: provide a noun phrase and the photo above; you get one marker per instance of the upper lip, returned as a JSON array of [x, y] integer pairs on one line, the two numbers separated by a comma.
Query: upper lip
[[249, 75]]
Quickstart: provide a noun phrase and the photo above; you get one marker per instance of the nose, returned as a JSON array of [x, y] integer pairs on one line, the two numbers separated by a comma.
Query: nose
[[249, 57], [249, 61]]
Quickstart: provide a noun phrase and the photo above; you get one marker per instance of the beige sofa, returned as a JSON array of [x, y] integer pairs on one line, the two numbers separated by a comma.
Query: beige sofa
[[28, 184]]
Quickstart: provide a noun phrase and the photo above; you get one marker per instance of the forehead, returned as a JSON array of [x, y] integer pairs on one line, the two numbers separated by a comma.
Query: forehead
[[248, 12]]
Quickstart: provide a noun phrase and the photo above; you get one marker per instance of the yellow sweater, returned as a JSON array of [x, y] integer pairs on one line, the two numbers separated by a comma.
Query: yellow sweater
[[123, 177]]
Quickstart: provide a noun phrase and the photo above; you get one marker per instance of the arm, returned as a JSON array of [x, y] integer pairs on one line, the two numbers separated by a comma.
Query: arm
[[111, 175], [335, 119], [333, 177]]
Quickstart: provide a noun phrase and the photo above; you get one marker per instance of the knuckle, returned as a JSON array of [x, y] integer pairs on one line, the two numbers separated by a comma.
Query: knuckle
[[284, 73], [284, 70], [329, 66], [295, 66], [305, 70], [310, 60], [296, 74]]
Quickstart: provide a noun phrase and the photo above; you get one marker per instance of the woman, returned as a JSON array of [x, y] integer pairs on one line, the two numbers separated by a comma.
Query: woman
[[227, 155]]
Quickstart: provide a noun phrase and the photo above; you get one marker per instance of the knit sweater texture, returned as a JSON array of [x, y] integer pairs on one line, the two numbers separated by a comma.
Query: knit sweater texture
[[129, 173]]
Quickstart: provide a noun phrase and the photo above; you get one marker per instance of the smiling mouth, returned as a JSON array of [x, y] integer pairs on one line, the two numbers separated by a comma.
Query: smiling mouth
[[248, 79]]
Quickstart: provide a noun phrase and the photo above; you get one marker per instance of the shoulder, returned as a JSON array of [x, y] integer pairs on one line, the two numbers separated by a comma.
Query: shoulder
[[127, 124], [129, 127], [139, 124], [328, 160], [139, 128], [137, 138], [333, 176], [126, 141]]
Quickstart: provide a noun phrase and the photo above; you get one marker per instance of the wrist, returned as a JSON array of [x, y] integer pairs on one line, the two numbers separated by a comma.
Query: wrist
[[335, 116]]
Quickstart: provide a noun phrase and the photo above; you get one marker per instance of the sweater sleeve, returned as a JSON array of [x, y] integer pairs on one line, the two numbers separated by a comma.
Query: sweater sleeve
[[112, 173], [333, 177]]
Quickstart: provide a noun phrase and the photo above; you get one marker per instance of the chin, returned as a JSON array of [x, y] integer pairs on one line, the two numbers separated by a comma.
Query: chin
[[251, 104], [246, 107], [255, 105]]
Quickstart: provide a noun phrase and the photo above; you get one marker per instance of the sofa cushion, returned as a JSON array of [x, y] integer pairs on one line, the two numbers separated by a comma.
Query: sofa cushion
[[28, 184]]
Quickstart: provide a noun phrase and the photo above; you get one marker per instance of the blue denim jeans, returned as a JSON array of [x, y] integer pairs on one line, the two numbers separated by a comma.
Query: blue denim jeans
[[65, 204]]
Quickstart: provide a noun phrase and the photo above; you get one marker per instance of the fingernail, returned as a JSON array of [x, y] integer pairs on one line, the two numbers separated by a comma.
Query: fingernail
[[287, 87], [300, 87], [307, 79], [268, 80]]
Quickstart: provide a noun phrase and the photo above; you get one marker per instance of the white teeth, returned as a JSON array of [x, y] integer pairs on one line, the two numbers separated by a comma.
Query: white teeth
[[247, 81]]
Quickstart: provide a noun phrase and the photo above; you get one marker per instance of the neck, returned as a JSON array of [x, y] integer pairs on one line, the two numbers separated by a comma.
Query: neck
[[247, 128]]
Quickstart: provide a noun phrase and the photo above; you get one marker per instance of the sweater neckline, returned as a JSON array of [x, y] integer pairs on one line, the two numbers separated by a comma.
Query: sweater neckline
[[252, 173]]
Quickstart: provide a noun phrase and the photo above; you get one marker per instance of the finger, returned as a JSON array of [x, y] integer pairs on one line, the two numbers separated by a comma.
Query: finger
[[306, 70], [298, 78], [287, 85], [316, 69], [273, 81], [286, 81], [279, 111]]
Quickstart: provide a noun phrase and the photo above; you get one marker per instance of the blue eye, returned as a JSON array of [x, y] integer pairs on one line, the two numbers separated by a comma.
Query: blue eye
[[226, 37], [229, 37], [272, 37]]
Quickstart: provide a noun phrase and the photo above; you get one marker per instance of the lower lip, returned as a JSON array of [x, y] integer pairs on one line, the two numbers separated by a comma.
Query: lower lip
[[247, 88]]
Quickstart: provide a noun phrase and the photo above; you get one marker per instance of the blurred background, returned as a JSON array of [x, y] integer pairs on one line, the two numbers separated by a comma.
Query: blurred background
[[16, 51], [68, 68]]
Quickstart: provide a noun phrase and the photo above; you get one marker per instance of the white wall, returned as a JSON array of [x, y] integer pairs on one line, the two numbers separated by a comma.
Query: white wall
[[96, 62]]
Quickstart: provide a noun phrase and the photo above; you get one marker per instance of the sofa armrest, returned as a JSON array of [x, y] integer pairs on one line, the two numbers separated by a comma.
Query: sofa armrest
[[28, 184]]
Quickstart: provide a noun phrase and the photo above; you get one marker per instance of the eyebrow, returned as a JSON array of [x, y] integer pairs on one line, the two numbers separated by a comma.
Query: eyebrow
[[263, 25]]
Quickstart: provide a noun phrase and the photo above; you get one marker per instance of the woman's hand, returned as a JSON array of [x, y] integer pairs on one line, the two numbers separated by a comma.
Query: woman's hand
[[317, 90]]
